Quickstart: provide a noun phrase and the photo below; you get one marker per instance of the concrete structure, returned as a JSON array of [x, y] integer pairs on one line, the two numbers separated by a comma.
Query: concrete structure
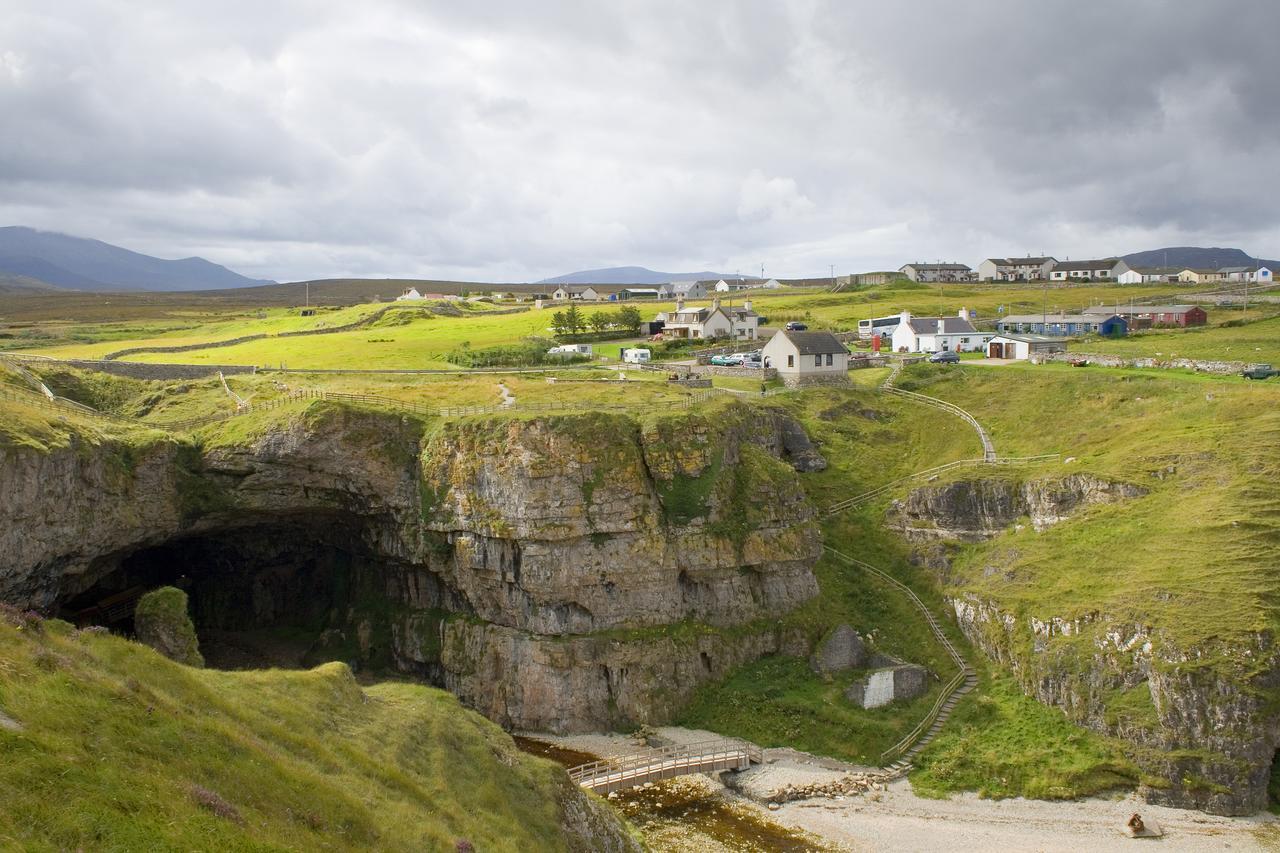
[[936, 272], [1146, 316], [891, 684], [1022, 347], [1096, 270], [1016, 269], [806, 358], [1199, 276], [1064, 325], [868, 279], [712, 321], [938, 334]]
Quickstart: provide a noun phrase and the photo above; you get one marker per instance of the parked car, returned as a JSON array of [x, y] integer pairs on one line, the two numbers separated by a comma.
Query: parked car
[[944, 357], [722, 360], [735, 360], [1259, 371], [754, 363], [797, 327]]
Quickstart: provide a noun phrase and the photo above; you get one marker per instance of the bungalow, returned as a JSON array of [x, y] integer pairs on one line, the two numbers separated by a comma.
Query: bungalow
[[1104, 269], [807, 358], [1015, 269], [1258, 274], [938, 334], [710, 322], [634, 293], [683, 290], [1126, 274], [1145, 316], [936, 272], [1064, 325], [586, 293], [1022, 347], [1199, 276], [410, 294], [728, 285]]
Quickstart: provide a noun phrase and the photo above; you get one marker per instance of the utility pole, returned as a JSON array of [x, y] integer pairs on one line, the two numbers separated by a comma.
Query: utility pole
[[833, 275], [307, 285]]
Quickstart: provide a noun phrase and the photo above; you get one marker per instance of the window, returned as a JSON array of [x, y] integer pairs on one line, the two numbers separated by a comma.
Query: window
[[791, 361], [830, 360]]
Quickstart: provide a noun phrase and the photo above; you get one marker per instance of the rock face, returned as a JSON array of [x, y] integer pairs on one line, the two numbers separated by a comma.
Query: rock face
[[538, 567], [974, 510], [1204, 734], [840, 650]]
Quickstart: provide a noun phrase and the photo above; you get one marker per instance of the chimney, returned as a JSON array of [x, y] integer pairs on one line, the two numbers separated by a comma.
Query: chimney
[[679, 304], [715, 303], [964, 313], [746, 305], [941, 330]]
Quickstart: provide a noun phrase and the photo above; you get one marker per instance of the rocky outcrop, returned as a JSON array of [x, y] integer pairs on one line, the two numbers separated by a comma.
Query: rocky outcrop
[[842, 649], [891, 684], [1200, 721], [974, 510], [537, 566]]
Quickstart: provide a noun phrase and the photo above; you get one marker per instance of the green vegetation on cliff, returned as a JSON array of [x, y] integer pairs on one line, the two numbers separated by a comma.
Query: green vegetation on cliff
[[106, 745]]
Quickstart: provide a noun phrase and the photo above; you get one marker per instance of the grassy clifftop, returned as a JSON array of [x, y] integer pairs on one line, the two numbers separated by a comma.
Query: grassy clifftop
[[105, 745]]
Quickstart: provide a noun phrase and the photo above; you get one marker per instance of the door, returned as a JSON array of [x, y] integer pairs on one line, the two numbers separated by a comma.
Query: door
[[995, 351]]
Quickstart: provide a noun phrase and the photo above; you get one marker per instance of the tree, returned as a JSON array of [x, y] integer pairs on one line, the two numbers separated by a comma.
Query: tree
[[628, 317], [600, 321], [559, 324], [573, 322]]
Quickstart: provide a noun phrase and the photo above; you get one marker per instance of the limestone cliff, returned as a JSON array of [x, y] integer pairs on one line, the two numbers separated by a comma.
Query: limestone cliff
[[557, 572]]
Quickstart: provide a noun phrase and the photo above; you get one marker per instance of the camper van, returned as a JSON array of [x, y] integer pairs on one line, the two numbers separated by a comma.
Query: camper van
[[636, 356], [571, 349]]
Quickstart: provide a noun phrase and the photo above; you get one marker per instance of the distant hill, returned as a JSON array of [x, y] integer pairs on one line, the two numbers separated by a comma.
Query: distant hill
[[630, 275], [20, 285], [1196, 258], [81, 264]]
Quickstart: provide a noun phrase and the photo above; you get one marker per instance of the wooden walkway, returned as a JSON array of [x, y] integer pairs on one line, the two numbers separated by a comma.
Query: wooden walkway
[[619, 774]]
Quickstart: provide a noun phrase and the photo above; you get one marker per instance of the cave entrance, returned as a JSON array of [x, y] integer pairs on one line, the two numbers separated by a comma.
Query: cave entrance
[[290, 593]]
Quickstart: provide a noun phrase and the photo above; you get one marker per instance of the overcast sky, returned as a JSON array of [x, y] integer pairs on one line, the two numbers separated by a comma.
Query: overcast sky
[[517, 140]]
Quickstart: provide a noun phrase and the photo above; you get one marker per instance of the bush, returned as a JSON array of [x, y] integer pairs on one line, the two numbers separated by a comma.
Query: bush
[[161, 622], [531, 352]]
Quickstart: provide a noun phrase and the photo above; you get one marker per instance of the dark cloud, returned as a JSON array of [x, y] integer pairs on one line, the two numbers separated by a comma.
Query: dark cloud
[[514, 140]]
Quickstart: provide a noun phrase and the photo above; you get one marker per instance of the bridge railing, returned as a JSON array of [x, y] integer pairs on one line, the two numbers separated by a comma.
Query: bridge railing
[[626, 771]]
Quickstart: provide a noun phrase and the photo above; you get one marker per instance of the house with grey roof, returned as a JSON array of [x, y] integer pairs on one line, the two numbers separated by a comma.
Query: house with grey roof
[[1016, 269], [1104, 269], [936, 272], [938, 334], [684, 290], [710, 321], [807, 358]]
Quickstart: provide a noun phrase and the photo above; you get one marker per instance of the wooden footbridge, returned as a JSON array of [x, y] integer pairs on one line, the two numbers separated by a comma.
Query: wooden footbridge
[[630, 771]]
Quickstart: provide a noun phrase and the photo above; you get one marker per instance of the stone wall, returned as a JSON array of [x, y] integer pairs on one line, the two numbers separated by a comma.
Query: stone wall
[[1103, 360], [763, 374], [141, 370]]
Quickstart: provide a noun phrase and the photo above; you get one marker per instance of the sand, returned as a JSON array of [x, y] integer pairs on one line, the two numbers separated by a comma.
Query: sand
[[895, 819]]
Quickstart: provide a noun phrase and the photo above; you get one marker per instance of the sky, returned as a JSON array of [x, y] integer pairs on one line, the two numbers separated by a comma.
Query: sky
[[511, 141]]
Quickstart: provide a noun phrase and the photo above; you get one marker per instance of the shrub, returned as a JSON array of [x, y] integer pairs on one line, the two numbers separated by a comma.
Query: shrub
[[531, 352], [161, 622]]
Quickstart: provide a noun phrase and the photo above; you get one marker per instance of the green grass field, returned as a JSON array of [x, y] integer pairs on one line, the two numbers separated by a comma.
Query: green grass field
[[1257, 341], [118, 748]]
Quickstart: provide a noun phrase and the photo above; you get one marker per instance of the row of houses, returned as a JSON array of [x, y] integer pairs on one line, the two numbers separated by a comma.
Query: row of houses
[[1100, 269], [699, 289]]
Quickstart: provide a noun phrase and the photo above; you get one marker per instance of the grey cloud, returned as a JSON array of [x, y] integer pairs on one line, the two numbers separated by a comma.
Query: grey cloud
[[512, 140]]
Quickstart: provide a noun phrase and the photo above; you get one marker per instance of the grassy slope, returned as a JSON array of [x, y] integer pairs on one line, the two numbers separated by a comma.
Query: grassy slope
[[1258, 341], [115, 738]]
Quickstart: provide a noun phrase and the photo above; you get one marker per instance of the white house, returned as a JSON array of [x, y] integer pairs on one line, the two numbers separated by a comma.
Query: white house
[[1022, 347], [936, 272], [771, 284], [1145, 275], [1016, 269], [410, 294], [587, 293], [804, 358], [1199, 276], [728, 285], [1259, 274], [712, 321], [938, 334], [1097, 270], [683, 290]]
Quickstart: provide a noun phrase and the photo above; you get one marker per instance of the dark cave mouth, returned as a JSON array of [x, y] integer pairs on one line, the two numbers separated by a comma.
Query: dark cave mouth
[[289, 593]]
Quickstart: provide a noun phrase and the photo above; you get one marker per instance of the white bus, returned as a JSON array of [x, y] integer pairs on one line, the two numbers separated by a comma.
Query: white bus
[[882, 326]]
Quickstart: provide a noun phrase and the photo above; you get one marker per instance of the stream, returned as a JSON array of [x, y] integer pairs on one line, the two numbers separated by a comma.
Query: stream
[[686, 814]]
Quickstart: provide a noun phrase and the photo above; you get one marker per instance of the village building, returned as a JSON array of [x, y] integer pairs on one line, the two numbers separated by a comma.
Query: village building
[[938, 334], [683, 290], [1126, 274], [713, 321], [634, 293], [1199, 276], [1259, 274], [1146, 316], [807, 358], [1097, 270], [936, 272], [1108, 324], [1022, 346], [1016, 269], [410, 294]]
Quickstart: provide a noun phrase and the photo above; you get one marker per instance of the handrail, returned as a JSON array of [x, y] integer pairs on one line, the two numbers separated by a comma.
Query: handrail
[[667, 758], [848, 503], [949, 689]]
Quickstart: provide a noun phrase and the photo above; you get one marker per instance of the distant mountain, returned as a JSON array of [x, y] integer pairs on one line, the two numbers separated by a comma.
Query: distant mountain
[[81, 264], [1195, 257], [630, 275]]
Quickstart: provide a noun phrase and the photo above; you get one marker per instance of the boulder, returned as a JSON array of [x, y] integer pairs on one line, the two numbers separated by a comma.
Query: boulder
[[839, 651], [161, 621]]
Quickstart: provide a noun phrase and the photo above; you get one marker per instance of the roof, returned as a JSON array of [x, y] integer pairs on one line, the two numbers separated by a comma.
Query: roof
[[1029, 338], [1242, 269], [1096, 264], [814, 343], [1058, 318], [1157, 270], [1020, 262], [937, 266], [950, 326], [1123, 310]]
